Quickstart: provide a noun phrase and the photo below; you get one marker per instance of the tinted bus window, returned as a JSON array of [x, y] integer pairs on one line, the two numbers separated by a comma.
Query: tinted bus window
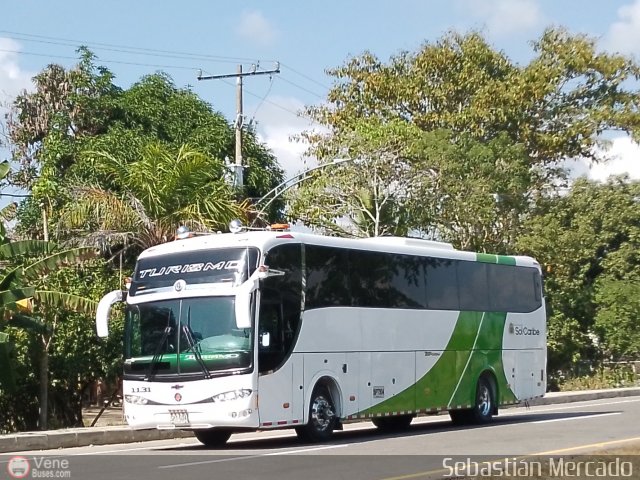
[[442, 284], [514, 289], [386, 280], [327, 276], [473, 289]]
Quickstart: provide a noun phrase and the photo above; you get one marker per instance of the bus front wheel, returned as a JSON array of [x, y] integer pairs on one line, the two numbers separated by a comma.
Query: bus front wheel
[[214, 437], [322, 417]]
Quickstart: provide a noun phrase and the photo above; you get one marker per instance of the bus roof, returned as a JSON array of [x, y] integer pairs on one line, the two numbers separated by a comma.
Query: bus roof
[[264, 240]]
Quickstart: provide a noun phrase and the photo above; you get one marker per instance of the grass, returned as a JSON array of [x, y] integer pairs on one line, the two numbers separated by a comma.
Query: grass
[[604, 377]]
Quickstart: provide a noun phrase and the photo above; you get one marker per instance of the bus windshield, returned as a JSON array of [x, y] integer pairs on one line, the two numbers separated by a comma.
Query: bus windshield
[[188, 336]]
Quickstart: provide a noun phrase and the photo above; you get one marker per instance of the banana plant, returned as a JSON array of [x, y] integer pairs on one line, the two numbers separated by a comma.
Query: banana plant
[[24, 266]]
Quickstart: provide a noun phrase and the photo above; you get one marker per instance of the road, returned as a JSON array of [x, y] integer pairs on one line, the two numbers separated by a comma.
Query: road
[[360, 452]]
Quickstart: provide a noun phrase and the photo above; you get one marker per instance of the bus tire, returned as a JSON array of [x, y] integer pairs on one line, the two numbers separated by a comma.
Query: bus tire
[[392, 424], [213, 437], [322, 417], [485, 404]]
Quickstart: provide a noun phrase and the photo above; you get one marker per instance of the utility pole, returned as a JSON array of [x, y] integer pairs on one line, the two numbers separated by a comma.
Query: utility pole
[[239, 75]]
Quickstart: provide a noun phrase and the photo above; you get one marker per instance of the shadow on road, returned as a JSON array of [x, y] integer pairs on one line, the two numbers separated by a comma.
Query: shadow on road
[[368, 432]]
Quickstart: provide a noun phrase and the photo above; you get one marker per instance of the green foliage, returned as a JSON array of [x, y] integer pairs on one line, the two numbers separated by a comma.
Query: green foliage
[[554, 106], [373, 191], [606, 376], [57, 130], [76, 356], [617, 319], [588, 241], [184, 191], [403, 179], [472, 127], [161, 163], [25, 276], [66, 104]]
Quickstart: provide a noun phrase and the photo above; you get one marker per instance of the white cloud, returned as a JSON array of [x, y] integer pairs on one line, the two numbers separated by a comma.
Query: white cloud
[[277, 123], [503, 17], [12, 78], [623, 157], [624, 35], [255, 27]]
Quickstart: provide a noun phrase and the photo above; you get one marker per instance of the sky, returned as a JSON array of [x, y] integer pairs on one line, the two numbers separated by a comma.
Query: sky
[[135, 38]]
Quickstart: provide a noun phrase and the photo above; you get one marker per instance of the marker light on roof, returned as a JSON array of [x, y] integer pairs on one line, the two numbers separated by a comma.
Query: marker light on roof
[[182, 232], [235, 226], [278, 226]]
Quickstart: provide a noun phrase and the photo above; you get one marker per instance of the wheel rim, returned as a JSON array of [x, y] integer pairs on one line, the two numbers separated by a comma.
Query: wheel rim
[[322, 413], [484, 400]]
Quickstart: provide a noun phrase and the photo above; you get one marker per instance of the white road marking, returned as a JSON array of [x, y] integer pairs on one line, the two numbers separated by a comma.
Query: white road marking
[[249, 457], [581, 417]]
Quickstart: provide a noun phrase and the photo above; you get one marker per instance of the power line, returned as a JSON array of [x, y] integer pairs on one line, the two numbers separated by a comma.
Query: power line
[[301, 87], [311, 79], [102, 60], [129, 49], [119, 48], [292, 112], [263, 98], [160, 53]]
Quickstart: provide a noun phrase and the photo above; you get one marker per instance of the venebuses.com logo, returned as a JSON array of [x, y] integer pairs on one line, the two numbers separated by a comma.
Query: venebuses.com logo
[[18, 467], [38, 467]]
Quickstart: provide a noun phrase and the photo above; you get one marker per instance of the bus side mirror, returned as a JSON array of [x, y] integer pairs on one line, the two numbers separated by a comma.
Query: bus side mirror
[[265, 339], [104, 310], [243, 310], [243, 302]]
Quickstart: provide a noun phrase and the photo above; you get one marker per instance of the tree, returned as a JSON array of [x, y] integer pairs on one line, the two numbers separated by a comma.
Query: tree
[[22, 282], [80, 110], [555, 106], [617, 320], [369, 193], [587, 241], [66, 105], [151, 197], [404, 180], [510, 126]]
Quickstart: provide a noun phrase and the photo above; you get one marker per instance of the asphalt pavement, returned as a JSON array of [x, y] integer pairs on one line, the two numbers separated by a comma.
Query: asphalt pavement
[[79, 437]]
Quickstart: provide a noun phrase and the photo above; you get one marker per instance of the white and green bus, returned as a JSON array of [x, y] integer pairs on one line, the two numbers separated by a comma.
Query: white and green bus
[[275, 329]]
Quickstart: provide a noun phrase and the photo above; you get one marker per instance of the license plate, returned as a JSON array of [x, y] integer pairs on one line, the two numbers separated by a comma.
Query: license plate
[[179, 417]]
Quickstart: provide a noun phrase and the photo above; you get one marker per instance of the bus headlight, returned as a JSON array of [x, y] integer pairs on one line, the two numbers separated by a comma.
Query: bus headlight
[[232, 395], [135, 399]]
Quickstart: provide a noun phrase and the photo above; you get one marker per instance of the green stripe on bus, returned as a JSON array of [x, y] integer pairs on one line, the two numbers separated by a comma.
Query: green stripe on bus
[[442, 385], [500, 259]]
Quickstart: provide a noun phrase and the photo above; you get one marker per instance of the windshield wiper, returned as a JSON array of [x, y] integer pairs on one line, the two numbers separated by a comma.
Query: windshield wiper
[[196, 350], [157, 354]]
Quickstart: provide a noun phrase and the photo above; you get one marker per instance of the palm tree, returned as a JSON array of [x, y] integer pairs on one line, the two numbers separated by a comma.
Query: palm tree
[[147, 200]]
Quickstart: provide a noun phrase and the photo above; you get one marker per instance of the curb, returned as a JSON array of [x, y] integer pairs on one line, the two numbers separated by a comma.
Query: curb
[[82, 437], [553, 398]]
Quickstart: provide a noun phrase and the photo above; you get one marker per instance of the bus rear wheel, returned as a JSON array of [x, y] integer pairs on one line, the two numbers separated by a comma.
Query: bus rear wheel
[[392, 424], [483, 410], [484, 406], [322, 417], [214, 437]]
